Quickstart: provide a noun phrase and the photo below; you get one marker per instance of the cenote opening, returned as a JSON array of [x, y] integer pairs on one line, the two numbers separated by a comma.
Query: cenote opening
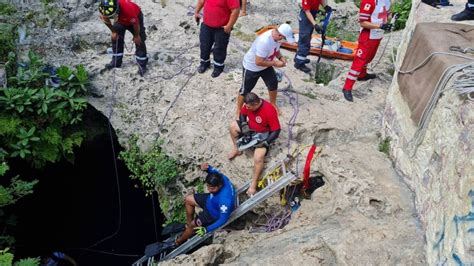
[[76, 205]]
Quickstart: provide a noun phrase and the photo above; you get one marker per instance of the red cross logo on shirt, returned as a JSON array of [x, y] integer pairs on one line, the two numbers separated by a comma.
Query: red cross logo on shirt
[[383, 15]]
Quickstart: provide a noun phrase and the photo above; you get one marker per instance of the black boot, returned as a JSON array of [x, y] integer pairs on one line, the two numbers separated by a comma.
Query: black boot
[[466, 14], [217, 71], [116, 62], [203, 67], [142, 70], [303, 68], [367, 77], [348, 95]]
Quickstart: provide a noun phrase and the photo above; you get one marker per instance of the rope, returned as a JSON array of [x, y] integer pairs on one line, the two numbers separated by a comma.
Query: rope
[[281, 219], [465, 83], [175, 100], [114, 156], [429, 108]]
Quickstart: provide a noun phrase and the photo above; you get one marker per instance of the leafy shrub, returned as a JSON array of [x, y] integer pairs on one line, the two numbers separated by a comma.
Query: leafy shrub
[[7, 9], [152, 168], [7, 40], [28, 262], [402, 8], [36, 118]]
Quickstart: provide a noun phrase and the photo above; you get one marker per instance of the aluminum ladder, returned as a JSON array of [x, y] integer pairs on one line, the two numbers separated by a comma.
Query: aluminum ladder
[[271, 188]]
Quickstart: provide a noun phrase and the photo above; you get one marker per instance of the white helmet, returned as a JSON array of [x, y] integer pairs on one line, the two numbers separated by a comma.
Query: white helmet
[[286, 30]]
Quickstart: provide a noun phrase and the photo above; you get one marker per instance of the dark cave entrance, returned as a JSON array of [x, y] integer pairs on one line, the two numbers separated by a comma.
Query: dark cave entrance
[[76, 205]]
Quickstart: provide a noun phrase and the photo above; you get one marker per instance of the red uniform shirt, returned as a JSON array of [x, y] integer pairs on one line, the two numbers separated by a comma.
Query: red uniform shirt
[[264, 119], [128, 12], [310, 4], [217, 12]]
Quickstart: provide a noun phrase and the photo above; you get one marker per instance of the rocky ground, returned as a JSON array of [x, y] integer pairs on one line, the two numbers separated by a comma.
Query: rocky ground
[[363, 215]]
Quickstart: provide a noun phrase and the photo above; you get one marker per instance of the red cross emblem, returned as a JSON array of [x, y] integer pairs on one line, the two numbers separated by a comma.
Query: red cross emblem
[[383, 15]]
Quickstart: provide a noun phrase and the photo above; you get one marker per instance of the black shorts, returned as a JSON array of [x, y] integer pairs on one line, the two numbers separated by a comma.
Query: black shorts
[[204, 218], [250, 78]]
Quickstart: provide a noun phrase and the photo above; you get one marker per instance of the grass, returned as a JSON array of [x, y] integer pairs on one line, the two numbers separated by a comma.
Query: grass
[[384, 145]]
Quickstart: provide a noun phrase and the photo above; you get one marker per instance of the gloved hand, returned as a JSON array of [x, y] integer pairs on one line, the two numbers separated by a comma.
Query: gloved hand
[[245, 128], [317, 28], [327, 9], [262, 144], [386, 26], [200, 231]]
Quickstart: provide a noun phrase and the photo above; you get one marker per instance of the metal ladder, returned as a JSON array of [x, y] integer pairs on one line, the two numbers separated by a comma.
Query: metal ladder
[[272, 187]]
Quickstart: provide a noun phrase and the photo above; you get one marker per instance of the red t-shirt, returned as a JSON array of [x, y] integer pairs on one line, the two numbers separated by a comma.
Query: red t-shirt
[[217, 12], [128, 12], [264, 119], [310, 4]]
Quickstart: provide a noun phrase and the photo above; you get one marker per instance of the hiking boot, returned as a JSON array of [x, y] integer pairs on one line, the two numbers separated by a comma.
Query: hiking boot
[[217, 71], [348, 95], [115, 63], [367, 77], [142, 70], [466, 14], [202, 68], [303, 68]]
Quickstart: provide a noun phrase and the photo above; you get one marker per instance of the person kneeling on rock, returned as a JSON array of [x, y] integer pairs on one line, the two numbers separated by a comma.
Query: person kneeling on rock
[[257, 116], [217, 205], [127, 16]]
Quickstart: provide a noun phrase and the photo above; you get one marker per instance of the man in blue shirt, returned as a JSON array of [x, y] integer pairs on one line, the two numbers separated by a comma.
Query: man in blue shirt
[[217, 205]]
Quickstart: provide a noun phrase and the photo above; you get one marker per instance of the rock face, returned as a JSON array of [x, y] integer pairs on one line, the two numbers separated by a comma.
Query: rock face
[[440, 171], [365, 214]]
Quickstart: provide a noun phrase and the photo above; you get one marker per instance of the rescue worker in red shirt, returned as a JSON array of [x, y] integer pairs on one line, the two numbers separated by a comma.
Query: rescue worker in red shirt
[[373, 17], [219, 18], [127, 16], [307, 23], [259, 116]]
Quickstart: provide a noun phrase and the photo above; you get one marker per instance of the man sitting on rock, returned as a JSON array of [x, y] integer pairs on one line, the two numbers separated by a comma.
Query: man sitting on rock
[[256, 116], [217, 205], [127, 16]]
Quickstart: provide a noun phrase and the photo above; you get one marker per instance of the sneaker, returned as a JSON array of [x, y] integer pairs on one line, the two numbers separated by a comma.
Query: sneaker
[[348, 95], [202, 68], [217, 71], [303, 68], [367, 77], [466, 14]]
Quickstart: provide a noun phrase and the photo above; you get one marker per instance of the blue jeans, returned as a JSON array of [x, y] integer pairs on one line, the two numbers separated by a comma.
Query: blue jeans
[[304, 40]]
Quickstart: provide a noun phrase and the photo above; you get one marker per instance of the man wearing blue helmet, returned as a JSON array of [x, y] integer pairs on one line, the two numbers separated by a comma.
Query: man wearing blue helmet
[[217, 205], [127, 16]]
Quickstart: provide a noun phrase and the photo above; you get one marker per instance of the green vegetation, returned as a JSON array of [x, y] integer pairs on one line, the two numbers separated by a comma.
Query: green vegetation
[[384, 145], [357, 3], [37, 121], [336, 30], [402, 8], [7, 9], [324, 73], [152, 168], [39, 124], [7, 40], [156, 171]]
